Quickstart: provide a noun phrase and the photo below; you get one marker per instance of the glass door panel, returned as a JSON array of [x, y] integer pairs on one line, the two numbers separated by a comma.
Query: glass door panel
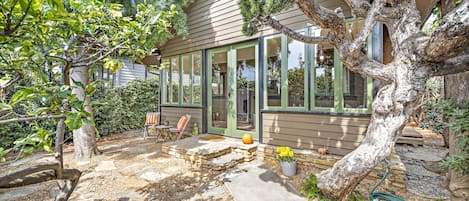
[[245, 89], [219, 90]]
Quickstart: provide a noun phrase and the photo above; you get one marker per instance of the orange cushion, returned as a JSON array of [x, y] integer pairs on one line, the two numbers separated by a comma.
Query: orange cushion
[[152, 119], [182, 123]]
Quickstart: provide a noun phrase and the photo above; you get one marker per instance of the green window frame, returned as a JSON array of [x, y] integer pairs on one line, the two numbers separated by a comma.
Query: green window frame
[[185, 66], [310, 70], [284, 93]]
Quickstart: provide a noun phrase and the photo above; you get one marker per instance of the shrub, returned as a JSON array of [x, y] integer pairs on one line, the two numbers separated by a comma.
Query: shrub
[[124, 107], [458, 122]]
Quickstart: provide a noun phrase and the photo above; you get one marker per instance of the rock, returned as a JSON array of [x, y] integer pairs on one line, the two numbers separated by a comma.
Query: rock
[[153, 176], [106, 166]]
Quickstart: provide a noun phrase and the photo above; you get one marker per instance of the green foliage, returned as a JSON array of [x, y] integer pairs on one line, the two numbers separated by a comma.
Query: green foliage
[[125, 107], [458, 122], [311, 190], [432, 117], [251, 9], [36, 38]]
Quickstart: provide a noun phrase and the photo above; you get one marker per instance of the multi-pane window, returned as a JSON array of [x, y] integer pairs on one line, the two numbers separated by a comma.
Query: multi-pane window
[[289, 64], [285, 72], [182, 79]]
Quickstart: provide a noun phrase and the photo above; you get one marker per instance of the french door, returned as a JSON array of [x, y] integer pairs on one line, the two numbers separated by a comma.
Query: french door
[[232, 90]]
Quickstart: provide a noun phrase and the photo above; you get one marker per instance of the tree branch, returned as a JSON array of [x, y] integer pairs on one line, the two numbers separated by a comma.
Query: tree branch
[[450, 38], [326, 18], [68, 46], [102, 56], [452, 66], [359, 62], [7, 30], [359, 7], [275, 24], [32, 118], [370, 22]]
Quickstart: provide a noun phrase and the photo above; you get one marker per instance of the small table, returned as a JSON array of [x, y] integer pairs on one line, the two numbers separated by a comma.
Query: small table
[[163, 131]]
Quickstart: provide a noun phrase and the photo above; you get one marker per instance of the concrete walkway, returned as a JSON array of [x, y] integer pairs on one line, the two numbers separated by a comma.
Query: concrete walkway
[[253, 182]]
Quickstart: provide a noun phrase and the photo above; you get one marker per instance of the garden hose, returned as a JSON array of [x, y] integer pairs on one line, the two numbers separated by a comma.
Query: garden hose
[[381, 195]]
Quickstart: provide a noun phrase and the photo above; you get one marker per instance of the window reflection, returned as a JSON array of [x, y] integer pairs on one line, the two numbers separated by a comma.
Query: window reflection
[[324, 77], [274, 64], [186, 77], [296, 73], [197, 79], [175, 80]]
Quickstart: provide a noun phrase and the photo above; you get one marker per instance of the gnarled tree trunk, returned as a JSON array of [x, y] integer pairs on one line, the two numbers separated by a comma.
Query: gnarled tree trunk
[[416, 57], [84, 138]]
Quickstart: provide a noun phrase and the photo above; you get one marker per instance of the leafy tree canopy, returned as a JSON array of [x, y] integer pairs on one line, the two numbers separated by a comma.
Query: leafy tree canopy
[[40, 39]]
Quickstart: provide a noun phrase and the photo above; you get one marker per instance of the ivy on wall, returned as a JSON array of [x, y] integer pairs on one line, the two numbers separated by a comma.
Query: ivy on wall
[[124, 107]]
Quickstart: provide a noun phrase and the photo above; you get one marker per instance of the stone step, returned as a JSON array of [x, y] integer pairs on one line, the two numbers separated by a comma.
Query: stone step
[[225, 162]]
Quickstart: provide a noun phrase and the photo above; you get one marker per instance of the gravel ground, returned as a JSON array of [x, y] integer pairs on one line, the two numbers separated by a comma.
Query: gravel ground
[[424, 184], [131, 168]]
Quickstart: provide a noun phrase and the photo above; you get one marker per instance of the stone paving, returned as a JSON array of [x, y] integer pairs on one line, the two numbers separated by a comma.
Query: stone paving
[[135, 169]]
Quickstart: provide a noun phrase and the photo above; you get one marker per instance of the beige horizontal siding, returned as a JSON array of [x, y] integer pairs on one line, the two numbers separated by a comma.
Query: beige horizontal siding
[[215, 23], [340, 134], [172, 114]]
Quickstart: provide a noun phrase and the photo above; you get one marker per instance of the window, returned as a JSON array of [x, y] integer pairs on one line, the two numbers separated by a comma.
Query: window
[[175, 70], [290, 64], [324, 77], [296, 73], [182, 79], [285, 73], [274, 64]]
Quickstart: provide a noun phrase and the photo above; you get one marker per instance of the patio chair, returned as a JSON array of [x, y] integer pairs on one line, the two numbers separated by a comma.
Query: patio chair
[[151, 120], [181, 126]]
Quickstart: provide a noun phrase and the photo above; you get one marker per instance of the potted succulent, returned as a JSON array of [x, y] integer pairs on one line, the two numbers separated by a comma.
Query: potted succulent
[[287, 161]]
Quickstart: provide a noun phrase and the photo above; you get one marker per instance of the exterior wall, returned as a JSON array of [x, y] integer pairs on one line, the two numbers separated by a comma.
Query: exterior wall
[[340, 134], [172, 114], [214, 23], [130, 71]]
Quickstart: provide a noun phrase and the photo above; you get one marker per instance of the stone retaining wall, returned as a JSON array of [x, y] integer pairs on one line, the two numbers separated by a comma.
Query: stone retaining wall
[[308, 159]]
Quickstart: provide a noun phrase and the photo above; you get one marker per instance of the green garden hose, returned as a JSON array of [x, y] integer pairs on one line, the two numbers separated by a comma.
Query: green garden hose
[[381, 195]]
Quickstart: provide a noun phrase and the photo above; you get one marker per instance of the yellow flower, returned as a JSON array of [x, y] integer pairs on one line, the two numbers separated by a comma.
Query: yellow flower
[[290, 153]]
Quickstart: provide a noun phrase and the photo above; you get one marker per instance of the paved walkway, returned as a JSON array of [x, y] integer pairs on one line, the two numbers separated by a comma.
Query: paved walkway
[[254, 182]]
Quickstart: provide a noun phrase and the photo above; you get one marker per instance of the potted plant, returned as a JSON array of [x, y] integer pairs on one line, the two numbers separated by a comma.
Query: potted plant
[[287, 161]]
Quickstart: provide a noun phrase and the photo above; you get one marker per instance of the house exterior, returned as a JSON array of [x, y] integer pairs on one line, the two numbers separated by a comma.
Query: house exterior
[[281, 91], [130, 71]]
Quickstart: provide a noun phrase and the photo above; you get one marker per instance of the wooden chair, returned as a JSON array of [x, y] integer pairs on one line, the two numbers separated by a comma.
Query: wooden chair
[[151, 120], [181, 126]]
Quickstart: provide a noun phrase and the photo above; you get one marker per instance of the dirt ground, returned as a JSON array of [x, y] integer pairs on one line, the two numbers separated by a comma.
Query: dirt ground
[[132, 168]]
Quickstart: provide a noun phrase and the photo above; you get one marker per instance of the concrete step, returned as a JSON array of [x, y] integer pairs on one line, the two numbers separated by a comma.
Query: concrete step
[[410, 140], [225, 162]]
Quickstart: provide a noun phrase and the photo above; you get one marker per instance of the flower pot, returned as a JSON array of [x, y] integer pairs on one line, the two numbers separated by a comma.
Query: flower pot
[[288, 168]]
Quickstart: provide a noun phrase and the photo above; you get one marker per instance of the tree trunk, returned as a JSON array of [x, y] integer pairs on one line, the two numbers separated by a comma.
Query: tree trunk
[[84, 138], [392, 107], [339, 181], [457, 89]]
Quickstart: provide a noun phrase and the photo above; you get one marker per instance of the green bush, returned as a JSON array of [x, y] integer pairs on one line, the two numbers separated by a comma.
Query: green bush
[[124, 107], [458, 122], [311, 190]]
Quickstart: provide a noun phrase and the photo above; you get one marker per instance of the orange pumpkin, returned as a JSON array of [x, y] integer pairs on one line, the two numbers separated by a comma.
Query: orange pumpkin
[[247, 138]]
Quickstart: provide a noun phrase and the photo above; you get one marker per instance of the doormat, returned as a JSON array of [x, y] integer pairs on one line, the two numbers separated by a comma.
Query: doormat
[[213, 138]]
